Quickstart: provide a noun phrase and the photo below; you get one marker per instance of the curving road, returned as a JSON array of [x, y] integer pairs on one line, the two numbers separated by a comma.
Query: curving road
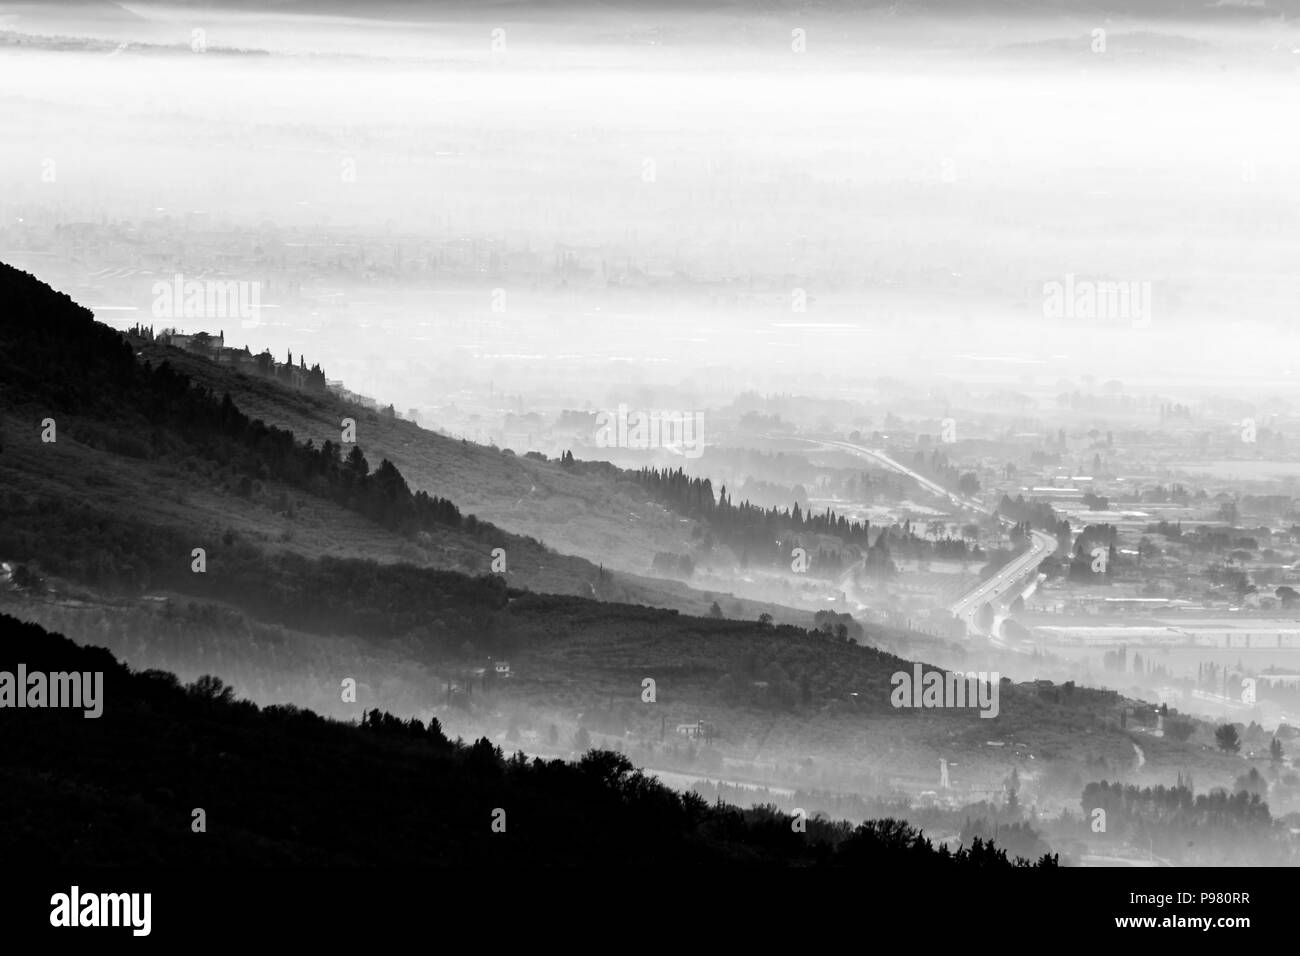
[[1041, 544]]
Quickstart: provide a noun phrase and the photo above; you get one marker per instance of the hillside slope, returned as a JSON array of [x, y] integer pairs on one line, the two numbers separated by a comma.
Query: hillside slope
[[157, 441], [147, 467], [616, 524], [283, 786]]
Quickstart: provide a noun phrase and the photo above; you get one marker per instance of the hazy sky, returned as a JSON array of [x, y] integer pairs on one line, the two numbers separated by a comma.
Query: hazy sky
[[918, 179]]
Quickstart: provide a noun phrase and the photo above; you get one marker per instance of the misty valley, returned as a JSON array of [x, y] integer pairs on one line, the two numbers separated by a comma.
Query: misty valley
[[463, 444]]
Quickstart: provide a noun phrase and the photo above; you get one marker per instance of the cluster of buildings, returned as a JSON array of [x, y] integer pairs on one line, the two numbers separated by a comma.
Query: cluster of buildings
[[214, 347]]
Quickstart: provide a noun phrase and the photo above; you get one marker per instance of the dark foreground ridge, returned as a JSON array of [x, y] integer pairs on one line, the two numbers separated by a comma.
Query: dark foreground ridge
[[282, 786]]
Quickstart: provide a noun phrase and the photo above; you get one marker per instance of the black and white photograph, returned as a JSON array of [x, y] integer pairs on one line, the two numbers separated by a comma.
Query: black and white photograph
[[479, 467]]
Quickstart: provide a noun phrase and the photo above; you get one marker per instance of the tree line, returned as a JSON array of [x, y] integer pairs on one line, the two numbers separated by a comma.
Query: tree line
[[285, 786]]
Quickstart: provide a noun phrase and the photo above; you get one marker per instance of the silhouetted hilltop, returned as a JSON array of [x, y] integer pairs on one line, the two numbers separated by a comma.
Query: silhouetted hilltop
[[146, 440], [279, 785]]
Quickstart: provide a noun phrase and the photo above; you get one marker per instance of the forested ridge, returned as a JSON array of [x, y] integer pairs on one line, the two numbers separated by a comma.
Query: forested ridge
[[767, 536], [281, 786], [56, 359]]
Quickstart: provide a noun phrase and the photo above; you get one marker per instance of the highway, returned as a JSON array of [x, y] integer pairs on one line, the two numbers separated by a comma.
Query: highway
[[1041, 544]]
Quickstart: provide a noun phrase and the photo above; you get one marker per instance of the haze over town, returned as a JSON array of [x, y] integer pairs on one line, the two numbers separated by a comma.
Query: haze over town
[[988, 315]]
